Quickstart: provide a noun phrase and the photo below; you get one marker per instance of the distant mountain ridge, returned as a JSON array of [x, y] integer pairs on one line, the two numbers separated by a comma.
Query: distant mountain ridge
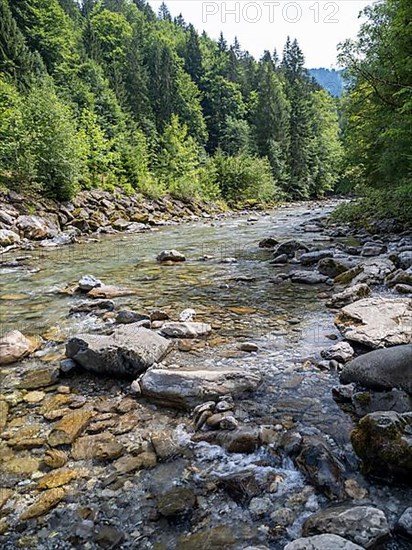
[[330, 79]]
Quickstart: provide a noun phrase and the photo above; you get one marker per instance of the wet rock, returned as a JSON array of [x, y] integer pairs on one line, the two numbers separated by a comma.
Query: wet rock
[[55, 458], [394, 400], [242, 440], [372, 248], [289, 248], [69, 427], [39, 377], [187, 315], [404, 524], [405, 259], [399, 277], [223, 537], [109, 292], [314, 457], [383, 441], [282, 517], [8, 238], [4, 410], [126, 317], [341, 352], [67, 365], [381, 369], [35, 227], [88, 282], [403, 289], [44, 503], [185, 330], [102, 446], [374, 271], [311, 258], [179, 500], [128, 351], [95, 306], [322, 542], [57, 478], [129, 464], [269, 242], [109, 537], [60, 240], [185, 388], [14, 346], [308, 277], [363, 525], [249, 347], [331, 267], [349, 295], [377, 322], [260, 506], [280, 260], [170, 256]]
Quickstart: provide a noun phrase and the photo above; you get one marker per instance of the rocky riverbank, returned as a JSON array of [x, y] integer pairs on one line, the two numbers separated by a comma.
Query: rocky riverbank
[[218, 425], [26, 220]]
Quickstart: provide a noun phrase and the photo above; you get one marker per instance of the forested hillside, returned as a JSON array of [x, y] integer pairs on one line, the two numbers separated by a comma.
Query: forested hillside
[[106, 93], [378, 135], [330, 79]]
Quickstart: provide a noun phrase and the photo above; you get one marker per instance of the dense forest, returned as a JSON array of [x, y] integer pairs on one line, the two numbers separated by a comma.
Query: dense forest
[[105, 93], [378, 112]]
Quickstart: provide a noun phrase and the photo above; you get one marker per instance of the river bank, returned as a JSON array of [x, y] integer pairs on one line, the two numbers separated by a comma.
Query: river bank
[[137, 465]]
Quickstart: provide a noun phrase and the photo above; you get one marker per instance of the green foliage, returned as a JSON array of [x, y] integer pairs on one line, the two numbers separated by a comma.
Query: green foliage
[[244, 178], [11, 132]]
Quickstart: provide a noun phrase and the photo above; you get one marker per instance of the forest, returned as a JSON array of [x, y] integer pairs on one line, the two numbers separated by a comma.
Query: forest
[[107, 93]]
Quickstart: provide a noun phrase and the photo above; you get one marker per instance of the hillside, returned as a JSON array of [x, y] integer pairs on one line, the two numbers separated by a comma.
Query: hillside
[[330, 79]]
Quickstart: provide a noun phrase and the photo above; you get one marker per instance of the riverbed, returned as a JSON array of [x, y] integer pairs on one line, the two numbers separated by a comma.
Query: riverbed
[[227, 280]]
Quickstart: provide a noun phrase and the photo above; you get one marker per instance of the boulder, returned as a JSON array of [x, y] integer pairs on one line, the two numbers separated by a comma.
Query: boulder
[[176, 501], [14, 346], [185, 330], [381, 369], [349, 295], [330, 267], [126, 317], [311, 258], [8, 237], [371, 249], [36, 228], [374, 271], [394, 400], [405, 259], [383, 442], [170, 256], [289, 248], [308, 277], [405, 523], [103, 446], [363, 525], [377, 322], [242, 440], [185, 388], [322, 542], [128, 351], [109, 291]]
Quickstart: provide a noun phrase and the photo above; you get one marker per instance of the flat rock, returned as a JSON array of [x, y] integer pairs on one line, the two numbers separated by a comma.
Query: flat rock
[[14, 346], [128, 351], [349, 295], [308, 277], [393, 400], [363, 525], [69, 427], [377, 322], [322, 542], [57, 478], [39, 377], [383, 442], [311, 258], [185, 329], [381, 369], [185, 388], [44, 503], [109, 291], [102, 446]]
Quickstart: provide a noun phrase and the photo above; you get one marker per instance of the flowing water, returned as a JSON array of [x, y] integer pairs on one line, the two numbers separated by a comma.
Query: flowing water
[[227, 280]]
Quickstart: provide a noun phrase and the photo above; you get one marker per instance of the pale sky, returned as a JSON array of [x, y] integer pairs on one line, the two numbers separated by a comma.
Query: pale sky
[[264, 24]]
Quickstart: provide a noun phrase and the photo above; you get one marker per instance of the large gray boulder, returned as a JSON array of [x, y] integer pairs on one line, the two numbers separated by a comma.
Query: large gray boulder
[[383, 441], [363, 525], [128, 351], [381, 369], [36, 227], [185, 388], [8, 237], [289, 248], [14, 346], [377, 322], [322, 542]]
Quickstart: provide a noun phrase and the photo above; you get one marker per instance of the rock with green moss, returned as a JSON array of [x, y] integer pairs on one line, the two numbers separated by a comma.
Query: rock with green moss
[[383, 441]]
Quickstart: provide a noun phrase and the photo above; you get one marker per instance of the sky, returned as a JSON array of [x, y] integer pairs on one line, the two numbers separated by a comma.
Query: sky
[[265, 24]]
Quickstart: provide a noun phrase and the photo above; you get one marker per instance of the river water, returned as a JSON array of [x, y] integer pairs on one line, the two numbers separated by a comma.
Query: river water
[[227, 280]]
